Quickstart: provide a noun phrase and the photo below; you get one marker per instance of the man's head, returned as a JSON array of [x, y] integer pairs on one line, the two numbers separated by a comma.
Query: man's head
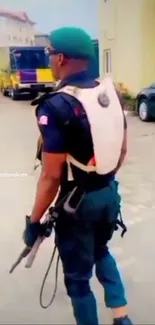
[[70, 50]]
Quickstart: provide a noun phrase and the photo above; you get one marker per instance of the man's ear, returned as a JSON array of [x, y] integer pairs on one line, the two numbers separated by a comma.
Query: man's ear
[[62, 60]]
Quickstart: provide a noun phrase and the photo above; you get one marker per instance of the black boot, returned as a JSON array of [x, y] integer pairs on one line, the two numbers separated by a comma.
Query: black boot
[[122, 321]]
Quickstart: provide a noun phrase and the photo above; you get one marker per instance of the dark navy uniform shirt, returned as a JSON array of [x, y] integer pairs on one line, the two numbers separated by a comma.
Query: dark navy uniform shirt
[[64, 126]]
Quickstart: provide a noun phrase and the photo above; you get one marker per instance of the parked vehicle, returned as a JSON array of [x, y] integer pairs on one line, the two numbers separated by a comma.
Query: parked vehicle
[[25, 70], [145, 103]]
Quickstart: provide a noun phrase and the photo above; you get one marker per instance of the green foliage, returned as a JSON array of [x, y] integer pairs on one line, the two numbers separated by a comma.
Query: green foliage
[[130, 102], [129, 99]]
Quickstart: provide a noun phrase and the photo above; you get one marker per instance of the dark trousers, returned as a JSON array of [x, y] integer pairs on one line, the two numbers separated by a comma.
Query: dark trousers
[[82, 244]]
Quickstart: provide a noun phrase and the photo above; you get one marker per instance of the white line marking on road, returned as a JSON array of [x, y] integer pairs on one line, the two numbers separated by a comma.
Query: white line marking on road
[[138, 219], [127, 262], [130, 223], [134, 221]]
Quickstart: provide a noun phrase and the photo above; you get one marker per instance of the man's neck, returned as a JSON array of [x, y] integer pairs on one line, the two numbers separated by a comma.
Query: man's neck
[[65, 75]]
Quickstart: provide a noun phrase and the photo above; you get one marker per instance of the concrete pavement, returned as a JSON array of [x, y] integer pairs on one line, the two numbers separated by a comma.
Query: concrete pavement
[[135, 253]]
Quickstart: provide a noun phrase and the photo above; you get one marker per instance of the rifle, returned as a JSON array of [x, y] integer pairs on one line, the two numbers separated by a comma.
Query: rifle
[[31, 253]]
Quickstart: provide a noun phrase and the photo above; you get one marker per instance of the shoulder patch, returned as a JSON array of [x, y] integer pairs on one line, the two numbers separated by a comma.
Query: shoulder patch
[[103, 100]]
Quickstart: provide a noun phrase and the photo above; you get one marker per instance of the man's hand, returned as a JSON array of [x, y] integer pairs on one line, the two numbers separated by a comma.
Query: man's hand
[[31, 232]]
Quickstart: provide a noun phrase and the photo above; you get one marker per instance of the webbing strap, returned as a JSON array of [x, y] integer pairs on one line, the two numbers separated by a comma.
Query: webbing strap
[[85, 168]]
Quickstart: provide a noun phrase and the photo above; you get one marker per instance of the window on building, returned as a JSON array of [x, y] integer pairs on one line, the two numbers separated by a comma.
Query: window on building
[[13, 61], [30, 59], [107, 61]]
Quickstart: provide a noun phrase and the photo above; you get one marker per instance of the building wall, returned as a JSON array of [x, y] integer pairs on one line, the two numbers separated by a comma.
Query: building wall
[[107, 33], [128, 32], [15, 33], [128, 54], [41, 40], [148, 43]]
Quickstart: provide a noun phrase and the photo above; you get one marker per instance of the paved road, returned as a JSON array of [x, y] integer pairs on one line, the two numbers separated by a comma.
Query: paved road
[[135, 253]]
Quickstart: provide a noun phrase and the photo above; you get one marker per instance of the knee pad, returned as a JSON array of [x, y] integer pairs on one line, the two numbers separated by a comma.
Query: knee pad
[[77, 288]]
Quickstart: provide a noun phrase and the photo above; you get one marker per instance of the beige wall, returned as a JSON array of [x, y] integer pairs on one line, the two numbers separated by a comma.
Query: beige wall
[[41, 40], [148, 43], [128, 53], [15, 33], [128, 28]]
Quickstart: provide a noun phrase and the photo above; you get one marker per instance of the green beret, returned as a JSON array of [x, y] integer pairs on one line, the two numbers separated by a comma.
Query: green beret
[[73, 42]]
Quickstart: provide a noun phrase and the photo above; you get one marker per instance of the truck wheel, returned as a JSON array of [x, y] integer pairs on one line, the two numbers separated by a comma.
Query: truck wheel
[[34, 95], [4, 91], [13, 94]]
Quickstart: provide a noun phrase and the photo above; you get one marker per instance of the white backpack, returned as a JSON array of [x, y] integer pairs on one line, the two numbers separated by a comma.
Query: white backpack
[[105, 115]]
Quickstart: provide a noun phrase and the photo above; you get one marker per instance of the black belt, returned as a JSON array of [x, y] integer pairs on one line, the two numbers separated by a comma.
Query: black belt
[[87, 185], [95, 182], [92, 181], [95, 186]]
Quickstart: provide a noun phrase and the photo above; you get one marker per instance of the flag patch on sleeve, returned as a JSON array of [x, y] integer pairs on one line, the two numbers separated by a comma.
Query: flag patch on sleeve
[[43, 120]]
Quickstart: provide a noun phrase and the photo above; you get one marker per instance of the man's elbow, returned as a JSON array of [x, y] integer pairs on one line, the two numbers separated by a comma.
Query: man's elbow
[[53, 179]]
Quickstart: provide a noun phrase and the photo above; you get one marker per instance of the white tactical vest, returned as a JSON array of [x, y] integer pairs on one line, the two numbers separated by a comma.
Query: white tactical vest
[[106, 123]]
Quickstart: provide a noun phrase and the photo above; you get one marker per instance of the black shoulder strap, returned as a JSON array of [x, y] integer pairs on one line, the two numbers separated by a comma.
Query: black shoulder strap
[[41, 99]]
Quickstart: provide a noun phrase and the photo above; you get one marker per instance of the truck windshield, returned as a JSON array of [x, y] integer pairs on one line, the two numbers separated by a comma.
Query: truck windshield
[[27, 59]]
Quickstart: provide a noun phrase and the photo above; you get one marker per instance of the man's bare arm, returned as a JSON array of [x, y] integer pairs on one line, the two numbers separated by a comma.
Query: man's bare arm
[[48, 184]]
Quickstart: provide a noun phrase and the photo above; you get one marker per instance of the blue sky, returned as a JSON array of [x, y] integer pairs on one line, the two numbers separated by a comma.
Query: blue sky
[[50, 14]]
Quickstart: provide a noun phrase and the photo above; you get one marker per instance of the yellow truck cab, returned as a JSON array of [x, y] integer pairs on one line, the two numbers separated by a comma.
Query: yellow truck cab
[[25, 70]]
